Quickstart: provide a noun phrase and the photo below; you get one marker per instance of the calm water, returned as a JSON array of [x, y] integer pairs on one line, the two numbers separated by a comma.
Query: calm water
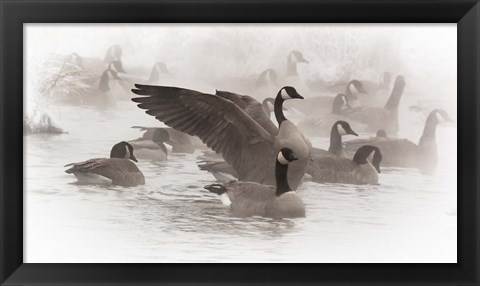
[[410, 217]]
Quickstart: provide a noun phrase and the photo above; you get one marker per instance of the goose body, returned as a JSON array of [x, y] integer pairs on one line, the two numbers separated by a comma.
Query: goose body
[[116, 170], [179, 141], [229, 130], [100, 93], [336, 169], [376, 118], [399, 152], [254, 199]]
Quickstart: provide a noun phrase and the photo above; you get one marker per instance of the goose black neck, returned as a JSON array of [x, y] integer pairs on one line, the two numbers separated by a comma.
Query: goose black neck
[[430, 129], [348, 92], [291, 68], [336, 146], [337, 105], [281, 172], [361, 155], [395, 96], [278, 109], [162, 146]]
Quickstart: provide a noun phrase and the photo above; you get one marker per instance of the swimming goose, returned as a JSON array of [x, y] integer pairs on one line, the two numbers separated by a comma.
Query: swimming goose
[[254, 199], [116, 170], [152, 149], [78, 92], [404, 153], [385, 118], [359, 170], [179, 141], [227, 129]]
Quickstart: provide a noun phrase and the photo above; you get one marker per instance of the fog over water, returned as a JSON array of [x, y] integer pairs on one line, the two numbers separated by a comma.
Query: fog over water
[[410, 217]]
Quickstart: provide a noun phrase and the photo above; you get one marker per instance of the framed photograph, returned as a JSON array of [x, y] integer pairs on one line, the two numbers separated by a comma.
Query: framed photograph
[[159, 142]]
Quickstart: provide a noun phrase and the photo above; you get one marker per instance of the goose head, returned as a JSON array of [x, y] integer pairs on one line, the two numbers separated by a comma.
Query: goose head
[[158, 69], [296, 57], [353, 88], [288, 92], [114, 52], [123, 150], [340, 102], [342, 128], [339, 129], [440, 116], [368, 153], [286, 156], [381, 133]]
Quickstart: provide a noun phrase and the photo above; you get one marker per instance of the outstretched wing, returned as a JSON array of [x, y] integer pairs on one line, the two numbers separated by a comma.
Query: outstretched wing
[[218, 122]]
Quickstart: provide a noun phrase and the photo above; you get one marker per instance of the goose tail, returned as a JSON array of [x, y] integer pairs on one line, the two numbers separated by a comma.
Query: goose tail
[[216, 189]]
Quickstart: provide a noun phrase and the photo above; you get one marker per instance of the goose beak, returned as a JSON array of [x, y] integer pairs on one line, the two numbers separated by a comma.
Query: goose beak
[[294, 159], [297, 95], [133, 158]]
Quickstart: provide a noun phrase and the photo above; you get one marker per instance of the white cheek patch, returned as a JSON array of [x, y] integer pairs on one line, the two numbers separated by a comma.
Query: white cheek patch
[[344, 100], [270, 105], [370, 157], [341, 131], [127, 153], [285, 94], [353, 89], [282, 159]]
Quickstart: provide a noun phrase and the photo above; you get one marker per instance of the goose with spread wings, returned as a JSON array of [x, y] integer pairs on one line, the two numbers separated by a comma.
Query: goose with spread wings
[[229, 130]]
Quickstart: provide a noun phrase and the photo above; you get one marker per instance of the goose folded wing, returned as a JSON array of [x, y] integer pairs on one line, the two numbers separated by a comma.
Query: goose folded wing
[[218, 122], [328, 167]]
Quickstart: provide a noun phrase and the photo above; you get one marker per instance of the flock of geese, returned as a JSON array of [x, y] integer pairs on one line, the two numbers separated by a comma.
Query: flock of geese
[[259, 164]]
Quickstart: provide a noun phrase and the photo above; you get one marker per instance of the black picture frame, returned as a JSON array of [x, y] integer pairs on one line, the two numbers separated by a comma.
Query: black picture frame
[[13, 14]]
